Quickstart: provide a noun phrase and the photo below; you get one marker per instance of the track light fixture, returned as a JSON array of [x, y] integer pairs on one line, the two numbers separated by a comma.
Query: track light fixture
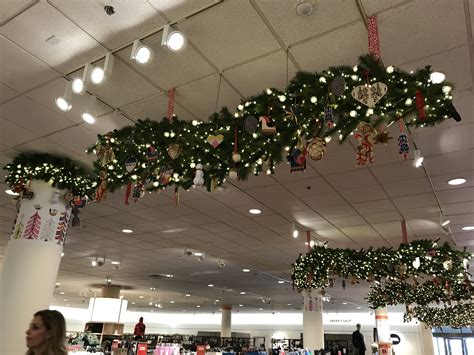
[[418, 159], [443, 221], [88, 115], [64, 102], [98, 74], [79, 85], [173, 39], [141, 53]]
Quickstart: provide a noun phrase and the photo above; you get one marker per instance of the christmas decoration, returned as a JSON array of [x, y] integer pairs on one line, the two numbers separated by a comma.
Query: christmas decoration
[[19, 226], [251, 124], [338, 86], [131, 163], [420, 104], [233, 173], [165, 175], [215, 140], [369, 95], [365, 148], [104, 153], [33, 227], [49, 227], [297, 158], [382, 136], [329, 116], [138, 191], [404, 148], [61, 229], [458, 316], [174, 151], [316, 148], [151, 153], [267, 125], [198, 179]]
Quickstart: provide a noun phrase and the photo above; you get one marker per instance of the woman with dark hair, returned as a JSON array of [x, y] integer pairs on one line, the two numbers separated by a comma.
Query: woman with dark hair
[[46, 334]]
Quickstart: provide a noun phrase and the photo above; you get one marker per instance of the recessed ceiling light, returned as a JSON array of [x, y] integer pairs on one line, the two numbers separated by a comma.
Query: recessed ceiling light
[[217, 300], [115, 262], [11, 192], [128, 231], [288, 304], [468, 228], [246, 270], [61, 293], [171, 301], [198, 254], [58, 283], [188, 295], [457, 181], [358, 307], [242, 293], [141, 297], [62, 254], [281, 281], [260, 309], [133, 302], [241, 305], [210, 285], [344, 302], [254, 211], [65, 300], [198, 306]]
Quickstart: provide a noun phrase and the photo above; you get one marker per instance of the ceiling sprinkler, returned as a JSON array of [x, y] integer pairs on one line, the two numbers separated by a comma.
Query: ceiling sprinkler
[[304, 8]]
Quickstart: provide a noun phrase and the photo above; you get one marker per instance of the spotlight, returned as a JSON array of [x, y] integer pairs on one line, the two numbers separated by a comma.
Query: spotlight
[[79, 85], [140, 53], [295, 231], [173, 39], [418, 160], [437, 77], [98, 74], [64, 102], [94, 262], [87, 115], [457, 181]]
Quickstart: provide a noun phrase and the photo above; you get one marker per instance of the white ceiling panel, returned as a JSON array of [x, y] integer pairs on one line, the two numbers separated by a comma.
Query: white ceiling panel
[[321, 53], [203, 107], [335, 212], [324, 200], [20, 70], [333, 235], [43, 145], [421, 212], [130, 20], [308, 187], [77, 139], [374, 7], [292, 27], [400, 171], [108, 122], [7, 92], [382, 217], [12, 135], [266, 72], [73, 48], [11, 9], [408, 187], [361, 233], [374, 206], [368, 193], [359, 178], [338, 158], [414, 201], [240, 33], [348, 221], [440, 182], [175, 9], [465, 194], [451, 139], [405, 22], [454, 162], [392, 230]]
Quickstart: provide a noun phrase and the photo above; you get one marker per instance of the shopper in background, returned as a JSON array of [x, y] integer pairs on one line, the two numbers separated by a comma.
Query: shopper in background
[[46, 334], [139, 331], [358, 342]]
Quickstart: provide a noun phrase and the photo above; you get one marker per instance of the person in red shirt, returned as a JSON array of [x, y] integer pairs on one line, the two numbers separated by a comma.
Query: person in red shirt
[[139, 331]]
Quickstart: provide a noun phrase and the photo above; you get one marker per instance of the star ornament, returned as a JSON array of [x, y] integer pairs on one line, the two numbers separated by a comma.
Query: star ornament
[[382, 137]]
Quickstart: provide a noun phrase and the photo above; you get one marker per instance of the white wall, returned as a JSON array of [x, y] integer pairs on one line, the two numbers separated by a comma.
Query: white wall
[[278, 325]]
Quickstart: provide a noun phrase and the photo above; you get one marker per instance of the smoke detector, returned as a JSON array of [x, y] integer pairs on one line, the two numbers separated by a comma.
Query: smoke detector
[[304, 8]]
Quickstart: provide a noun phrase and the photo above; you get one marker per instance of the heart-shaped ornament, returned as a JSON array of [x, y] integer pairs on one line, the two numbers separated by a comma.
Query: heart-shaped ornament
[[369, 95], [215, 140]]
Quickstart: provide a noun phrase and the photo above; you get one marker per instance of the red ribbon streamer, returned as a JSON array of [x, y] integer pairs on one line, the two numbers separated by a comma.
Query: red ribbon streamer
[[420, 104], [374, 43], [170, 105], [127, 193], [404, 231], [235, 139]]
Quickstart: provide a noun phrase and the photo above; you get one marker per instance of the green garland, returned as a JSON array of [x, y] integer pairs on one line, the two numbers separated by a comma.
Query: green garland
[[391, 270], [461, 315], [296, 112], [60, 172]]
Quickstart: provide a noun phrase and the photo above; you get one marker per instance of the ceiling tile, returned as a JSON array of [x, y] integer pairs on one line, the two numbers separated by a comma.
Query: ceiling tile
[[368, 193], [383, 217], [74, 47], [10, 9], [333, 235], [175, 9], [392, 230], [359, 178], [347, 221], [77, 139], [456, 195], [413, 201], [352, 42], [374, 206], [361, 233], [6, 92], [395, 172], [218, 40], [12, 135], [373, 7], [130, 20], [324, 200], [452, 162], [420, 212], [335, 212], [20, 70], [308, 187], [408, 187], [451, 139], [440, 182]]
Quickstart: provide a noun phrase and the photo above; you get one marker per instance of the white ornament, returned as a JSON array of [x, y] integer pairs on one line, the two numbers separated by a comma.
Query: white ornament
[[390, 69], [416, 263], [199, 178], [236, 157]]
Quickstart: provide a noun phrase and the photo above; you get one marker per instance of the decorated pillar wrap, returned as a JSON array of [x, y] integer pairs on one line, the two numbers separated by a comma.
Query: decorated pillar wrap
[[226, 321], [32, 260], [313, 329], [383, 331], [426, 336]]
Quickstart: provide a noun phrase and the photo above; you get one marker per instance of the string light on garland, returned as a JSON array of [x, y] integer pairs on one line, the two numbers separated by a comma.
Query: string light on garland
[[460, 315]]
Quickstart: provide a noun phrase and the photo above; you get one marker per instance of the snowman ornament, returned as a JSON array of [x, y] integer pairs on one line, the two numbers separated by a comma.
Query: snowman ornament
[[199, 178]]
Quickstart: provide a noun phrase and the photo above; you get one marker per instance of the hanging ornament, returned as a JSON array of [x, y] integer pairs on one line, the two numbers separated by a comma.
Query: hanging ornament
[[151, 153], [297, 158], [102, 186], [338, 86], [448, 265], [233, 173], [369, 95], [329, 116], [55, 198], [390, 267], [316, 148], [79, 202], [382, 136], [373, 34], [343, 284], [165, 174], [174, 150], [436, 281], [131, 163], [215, 140], [27, 193], [199, 178], [267, 125], [105, 154], [420, 104], [403, 147], [170, 105], [38, 206], [365, 148], [214, 184], [138, 191], [236, 156], [402, 270], [75, 221], [251, 124], [416, 263]]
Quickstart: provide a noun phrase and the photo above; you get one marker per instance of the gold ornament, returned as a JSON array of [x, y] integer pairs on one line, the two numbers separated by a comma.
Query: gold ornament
[[174, 150], [382, 137], [316, 148]]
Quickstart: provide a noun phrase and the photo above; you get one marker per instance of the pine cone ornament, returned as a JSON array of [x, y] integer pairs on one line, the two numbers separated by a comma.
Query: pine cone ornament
[[316, 148], [174, 150]]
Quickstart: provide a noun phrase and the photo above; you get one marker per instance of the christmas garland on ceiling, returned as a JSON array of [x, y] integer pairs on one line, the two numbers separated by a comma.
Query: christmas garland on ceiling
[[272, 127], [61, 172], [460, 315], [420, 272]]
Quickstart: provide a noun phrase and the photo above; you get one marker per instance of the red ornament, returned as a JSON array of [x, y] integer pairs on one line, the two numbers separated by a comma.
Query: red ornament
[[420, 104]]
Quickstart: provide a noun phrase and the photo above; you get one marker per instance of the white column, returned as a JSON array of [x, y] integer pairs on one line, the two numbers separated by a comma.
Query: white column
[[31, 264], [313, 329], [383, 331], [226, 321], [426, 336]]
